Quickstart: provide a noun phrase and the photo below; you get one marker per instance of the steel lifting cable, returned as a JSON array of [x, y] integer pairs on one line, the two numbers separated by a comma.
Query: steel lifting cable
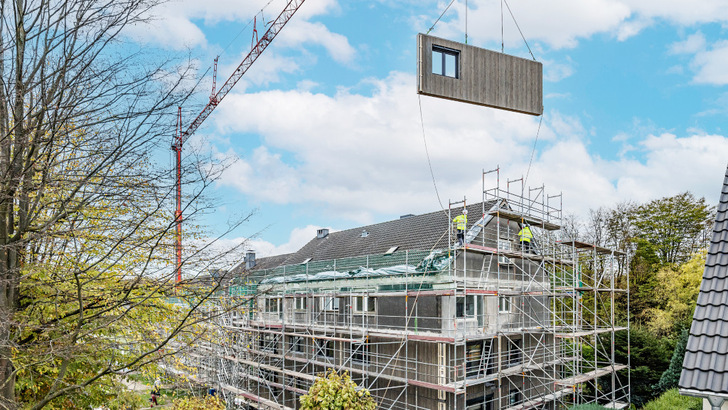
[[538, 131], [442, 14], [427, 152], [519, 29]]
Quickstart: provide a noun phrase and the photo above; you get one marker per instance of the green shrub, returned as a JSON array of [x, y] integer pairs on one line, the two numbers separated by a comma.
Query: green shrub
[[672, 400], [336, 391]]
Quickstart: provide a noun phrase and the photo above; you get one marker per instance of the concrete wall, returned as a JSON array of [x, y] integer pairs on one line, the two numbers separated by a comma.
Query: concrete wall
[[484, 77]]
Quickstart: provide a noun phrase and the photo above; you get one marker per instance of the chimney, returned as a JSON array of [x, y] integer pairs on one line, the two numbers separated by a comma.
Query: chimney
[[250, 259], [322, 233]]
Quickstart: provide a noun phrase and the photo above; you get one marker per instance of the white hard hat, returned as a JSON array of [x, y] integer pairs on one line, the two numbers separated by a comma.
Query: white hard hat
[[465, 211]]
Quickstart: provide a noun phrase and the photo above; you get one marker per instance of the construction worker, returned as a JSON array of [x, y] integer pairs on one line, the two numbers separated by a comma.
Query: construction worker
[[525, 236], [155, 395], [460, 222]]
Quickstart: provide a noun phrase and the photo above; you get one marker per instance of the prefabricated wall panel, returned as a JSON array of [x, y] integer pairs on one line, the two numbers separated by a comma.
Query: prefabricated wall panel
[[483, 77]]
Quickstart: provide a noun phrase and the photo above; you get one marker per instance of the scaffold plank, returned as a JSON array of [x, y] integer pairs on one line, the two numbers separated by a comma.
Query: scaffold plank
[[540, 400], [598, 249], [594, 374], [582, 333], [272, 368], [358, 330], [269, 403], [531, 220], [616, 405], [518, 255], [592, 289]]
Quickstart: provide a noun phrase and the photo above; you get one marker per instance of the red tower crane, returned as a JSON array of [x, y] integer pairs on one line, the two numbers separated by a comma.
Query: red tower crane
[[260, 44]]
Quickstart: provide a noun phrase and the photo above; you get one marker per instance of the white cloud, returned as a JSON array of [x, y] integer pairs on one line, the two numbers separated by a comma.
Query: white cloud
[[362, 155], [554, 71], [173, 31], [559, 23], [178, 25], [708, 61], [299, 32], [691, 45], [710, 65], [681, 12], [356, 156], [562, 23]]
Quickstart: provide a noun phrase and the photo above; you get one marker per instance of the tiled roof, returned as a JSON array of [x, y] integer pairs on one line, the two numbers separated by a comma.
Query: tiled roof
[[705, 367], [418, 232]]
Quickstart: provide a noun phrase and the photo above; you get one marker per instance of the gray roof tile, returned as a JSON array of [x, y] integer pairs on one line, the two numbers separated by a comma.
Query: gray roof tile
[[715, 298], [420, 232], [705, 367]]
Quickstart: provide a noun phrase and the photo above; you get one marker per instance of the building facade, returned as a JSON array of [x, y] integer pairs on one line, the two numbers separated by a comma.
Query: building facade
[[426, 323]]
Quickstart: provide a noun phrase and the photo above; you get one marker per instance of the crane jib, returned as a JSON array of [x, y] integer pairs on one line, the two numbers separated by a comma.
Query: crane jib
[[248, 61], [181, 137]]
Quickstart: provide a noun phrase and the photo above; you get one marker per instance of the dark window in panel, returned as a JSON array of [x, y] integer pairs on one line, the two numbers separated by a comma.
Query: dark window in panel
[[445, 61]]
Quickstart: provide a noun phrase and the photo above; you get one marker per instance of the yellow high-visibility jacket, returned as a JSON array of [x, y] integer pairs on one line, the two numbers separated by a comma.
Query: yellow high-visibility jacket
[[460, 222], [525, 234]]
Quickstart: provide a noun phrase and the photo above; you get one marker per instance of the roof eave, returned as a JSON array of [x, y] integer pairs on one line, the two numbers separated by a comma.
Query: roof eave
[[702, 393]]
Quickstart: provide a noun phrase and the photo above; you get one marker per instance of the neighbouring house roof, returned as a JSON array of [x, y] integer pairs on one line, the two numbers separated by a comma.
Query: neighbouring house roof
[[418, 232], [705, 367]]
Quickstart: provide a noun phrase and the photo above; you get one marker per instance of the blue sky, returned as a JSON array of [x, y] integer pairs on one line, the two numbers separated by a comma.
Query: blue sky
[[324, 130]]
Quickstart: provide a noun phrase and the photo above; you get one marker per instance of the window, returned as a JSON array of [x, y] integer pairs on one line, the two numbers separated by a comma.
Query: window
[[325, 348], [268, 343], [504, 245], [297, 344], [514, 397], [514, 353], [445, 61], [273, 305], [474, 360], [465, 306], [360, 353], [391, 250], [329, 303], [299, 303], [365, 304], [504, 304]]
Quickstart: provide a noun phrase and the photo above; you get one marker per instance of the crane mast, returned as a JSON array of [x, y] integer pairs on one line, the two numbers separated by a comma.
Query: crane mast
[[260, 45]]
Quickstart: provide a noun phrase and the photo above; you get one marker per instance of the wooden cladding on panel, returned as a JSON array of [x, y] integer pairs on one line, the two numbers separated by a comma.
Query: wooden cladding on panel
[[479, 76]]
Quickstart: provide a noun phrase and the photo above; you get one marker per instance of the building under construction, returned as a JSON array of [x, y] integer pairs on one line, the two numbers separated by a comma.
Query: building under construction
[[426, 323]]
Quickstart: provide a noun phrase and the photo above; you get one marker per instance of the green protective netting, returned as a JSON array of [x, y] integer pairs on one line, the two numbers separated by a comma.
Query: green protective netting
[[347, 268]]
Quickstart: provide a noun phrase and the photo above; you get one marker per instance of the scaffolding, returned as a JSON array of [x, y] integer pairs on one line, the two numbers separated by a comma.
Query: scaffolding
[[489, 324]]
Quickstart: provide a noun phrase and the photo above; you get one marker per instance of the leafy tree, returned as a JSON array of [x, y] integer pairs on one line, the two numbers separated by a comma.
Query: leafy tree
[[85, 221], [672, 400], [650, 357], [677, 226], [334, 391], [676, 296], [643, 281], [671, 376]]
